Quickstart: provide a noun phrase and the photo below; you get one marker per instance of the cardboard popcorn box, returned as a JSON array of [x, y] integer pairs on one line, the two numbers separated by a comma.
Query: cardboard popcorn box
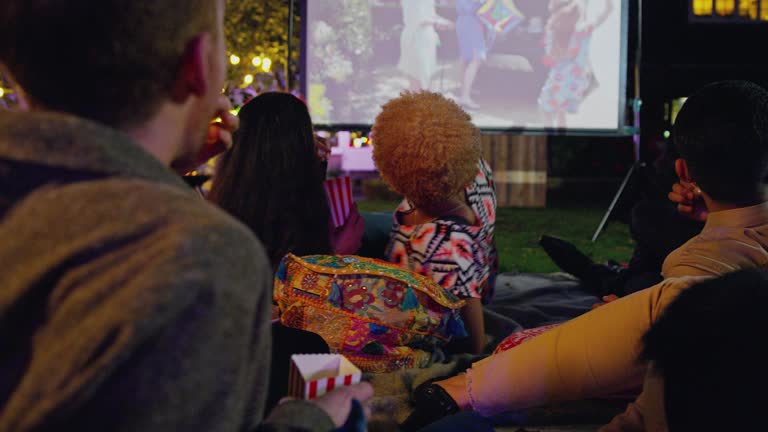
[[339, 191], [313, 375]]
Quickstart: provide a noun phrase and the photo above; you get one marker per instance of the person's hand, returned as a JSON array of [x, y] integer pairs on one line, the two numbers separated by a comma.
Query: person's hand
[[347, 239], [217, 141], [689, 200], [219, 138], [323, 148], [338, 403], [445, 25], [607, 299]]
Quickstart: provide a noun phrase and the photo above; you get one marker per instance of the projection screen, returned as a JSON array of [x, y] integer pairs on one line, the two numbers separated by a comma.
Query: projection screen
[[512, 64]]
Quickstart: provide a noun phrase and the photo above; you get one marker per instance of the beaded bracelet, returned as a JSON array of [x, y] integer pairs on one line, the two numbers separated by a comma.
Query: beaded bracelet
[[472, 402]]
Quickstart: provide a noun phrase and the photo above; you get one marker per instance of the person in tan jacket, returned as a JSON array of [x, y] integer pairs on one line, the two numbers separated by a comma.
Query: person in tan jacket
[[722, 134], [705, 371]]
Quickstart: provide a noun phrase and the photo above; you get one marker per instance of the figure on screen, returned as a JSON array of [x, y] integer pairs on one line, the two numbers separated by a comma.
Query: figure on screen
[[419, 41], [567, 41], [472, 46], [477, 25]]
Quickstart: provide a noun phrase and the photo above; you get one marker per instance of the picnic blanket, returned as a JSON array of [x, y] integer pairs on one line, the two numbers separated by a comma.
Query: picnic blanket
[[525, 300]]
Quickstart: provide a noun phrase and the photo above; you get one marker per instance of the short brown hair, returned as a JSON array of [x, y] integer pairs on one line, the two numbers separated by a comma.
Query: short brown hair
[[112, 61], [426, 147]]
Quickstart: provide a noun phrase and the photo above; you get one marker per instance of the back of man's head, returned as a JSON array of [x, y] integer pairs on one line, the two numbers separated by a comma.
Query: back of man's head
[[113, 61], [722, 133], [707, 347]]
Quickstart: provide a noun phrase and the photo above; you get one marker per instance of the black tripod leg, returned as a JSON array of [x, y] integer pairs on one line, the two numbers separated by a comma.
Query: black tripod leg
[[616, 199]]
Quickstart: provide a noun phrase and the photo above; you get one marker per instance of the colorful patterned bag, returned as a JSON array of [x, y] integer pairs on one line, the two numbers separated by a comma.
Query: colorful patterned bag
[[381, 317]]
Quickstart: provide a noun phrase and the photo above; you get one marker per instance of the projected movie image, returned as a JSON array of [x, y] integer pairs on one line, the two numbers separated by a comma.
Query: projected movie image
[[532, 64]]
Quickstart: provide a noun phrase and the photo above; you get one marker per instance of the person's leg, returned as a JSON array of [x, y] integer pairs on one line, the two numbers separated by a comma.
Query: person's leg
[[561, 122], [463, 65], [415, 85], [636, 281], [658, 229], [549, 119], [470, 73]]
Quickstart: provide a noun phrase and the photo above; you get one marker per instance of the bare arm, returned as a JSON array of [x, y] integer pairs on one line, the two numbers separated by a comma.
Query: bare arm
[[604, 16], [439, 22], [472, 314]]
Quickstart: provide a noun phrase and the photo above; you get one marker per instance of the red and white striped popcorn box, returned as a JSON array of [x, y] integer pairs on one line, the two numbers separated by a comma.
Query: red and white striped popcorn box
[[313, 375], [339, 191]]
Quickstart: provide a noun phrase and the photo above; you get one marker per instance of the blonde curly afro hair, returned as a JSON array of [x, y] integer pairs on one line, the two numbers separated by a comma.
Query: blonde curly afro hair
[[425, 147]]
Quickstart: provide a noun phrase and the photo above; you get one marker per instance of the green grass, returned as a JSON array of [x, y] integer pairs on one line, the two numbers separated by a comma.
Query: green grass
[[518, 232]]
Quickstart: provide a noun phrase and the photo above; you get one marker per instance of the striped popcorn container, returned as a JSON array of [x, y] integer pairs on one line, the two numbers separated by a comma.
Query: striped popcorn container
[[313, 375], [339, 191]]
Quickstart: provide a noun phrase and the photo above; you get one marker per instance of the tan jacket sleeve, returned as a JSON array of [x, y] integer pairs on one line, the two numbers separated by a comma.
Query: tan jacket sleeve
[[647, 413], [715, 255], [630, 420], [591, 356]]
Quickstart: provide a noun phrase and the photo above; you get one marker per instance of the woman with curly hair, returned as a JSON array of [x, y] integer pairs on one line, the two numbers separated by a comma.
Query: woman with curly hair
[[427, 149]]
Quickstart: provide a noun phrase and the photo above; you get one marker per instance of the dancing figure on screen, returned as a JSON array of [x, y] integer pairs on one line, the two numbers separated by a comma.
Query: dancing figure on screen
[[472, 47], [567, 45], [477, 25], [419, 41]]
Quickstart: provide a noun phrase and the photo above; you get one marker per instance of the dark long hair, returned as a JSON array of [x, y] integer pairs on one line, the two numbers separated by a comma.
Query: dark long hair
[[272, 179]]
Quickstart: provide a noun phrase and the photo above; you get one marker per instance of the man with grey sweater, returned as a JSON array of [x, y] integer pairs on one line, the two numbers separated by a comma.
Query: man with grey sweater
[[126, 302]]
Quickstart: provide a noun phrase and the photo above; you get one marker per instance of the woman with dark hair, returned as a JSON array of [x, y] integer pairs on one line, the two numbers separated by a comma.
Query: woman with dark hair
[[272, 181]]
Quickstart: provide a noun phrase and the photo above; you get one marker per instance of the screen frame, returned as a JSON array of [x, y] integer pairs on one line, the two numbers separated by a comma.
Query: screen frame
[[622, 129]]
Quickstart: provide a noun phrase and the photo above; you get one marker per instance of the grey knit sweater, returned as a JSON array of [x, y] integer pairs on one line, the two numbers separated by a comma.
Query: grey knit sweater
[[126, 302]]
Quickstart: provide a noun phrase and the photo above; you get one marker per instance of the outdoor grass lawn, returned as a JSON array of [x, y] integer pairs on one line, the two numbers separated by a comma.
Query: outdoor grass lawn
[[518, 232]]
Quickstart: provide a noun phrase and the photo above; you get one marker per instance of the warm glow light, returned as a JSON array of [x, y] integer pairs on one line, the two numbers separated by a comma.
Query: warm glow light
[[725, 7], [248, 79], [2, 92], [235, 60], [266, 64], [702, 7], [748, 8], [256, 61], [233, 112]]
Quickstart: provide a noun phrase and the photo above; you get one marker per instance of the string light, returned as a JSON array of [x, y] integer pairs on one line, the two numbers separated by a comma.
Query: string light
[[266, 64], [248, 79], [702, 7], [725, 7], [256, 61], [235, 60]]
